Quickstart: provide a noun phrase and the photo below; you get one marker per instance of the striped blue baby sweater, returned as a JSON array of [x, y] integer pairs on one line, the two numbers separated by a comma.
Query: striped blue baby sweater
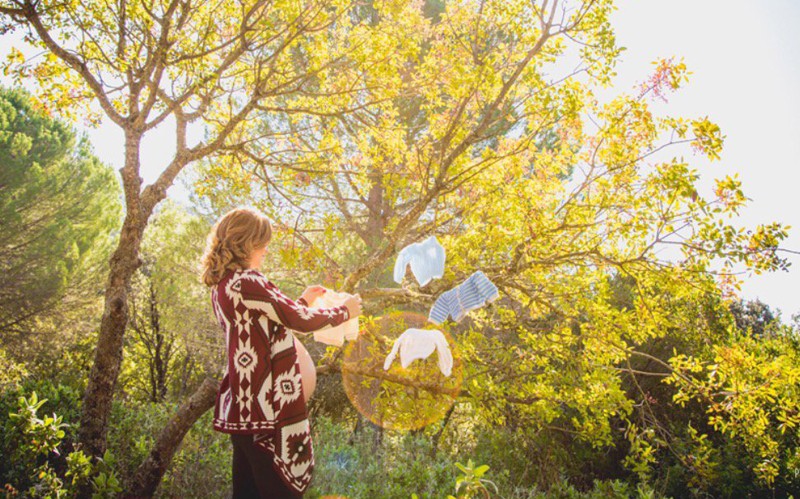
[[473, 293]]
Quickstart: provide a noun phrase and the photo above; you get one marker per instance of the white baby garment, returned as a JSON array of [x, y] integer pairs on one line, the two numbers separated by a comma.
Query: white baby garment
[[426, 259], [419, 344], [335, 335]]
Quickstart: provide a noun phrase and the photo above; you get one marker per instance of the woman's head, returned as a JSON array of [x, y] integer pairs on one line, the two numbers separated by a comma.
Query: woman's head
[[234, 241]]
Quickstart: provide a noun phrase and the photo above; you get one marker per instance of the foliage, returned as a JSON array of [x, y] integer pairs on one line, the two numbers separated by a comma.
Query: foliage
[[401, 464], [485, 141], [350, 465], [472, 481], [41, 437], [750, 387], [404, 464], [59, 206], [12, 371], [173, 340], [53, 397], [393, 121], [752, 316], [202, 466]]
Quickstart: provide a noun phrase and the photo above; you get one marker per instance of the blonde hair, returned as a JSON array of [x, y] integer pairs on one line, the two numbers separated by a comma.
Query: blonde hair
[[231, 242]]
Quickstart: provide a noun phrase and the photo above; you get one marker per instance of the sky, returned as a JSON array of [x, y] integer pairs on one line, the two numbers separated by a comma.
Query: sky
[[745, 60], [744, 56]]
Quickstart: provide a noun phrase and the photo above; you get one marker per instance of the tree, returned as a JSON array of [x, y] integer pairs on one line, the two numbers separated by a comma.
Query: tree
[[159, 344], [754, 316], [522, 173], [404, 119], [142, 64], [59, 206]]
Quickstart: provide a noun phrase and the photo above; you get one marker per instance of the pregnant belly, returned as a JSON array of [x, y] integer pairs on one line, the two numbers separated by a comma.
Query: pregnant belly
[[308, 371]]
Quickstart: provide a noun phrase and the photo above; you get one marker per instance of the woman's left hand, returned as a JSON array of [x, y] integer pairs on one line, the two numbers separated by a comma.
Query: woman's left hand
[[312, 293]]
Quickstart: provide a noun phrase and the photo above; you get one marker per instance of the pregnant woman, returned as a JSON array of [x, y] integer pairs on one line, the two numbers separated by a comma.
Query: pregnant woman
[[269, 376]]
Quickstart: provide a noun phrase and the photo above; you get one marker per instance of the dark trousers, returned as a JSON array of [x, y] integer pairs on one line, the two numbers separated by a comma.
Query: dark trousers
[[253, 475]]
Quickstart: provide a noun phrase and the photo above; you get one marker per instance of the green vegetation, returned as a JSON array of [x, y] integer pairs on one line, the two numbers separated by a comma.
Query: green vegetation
[[603, 370]]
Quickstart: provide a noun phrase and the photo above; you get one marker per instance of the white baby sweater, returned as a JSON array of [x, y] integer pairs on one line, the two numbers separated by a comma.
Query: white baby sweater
[[416, 344]]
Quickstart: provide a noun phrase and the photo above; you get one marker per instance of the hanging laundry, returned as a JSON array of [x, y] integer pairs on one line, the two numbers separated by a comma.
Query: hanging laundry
[[474, 292], [416, 344], [345, 331], [426, 259]]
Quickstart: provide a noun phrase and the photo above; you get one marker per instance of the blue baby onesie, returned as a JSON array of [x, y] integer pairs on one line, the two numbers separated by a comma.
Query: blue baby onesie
[[426, 259], [476, 290]]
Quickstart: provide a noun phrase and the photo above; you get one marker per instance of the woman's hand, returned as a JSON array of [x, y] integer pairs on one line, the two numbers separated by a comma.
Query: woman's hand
[[353, 305], [312, 293]]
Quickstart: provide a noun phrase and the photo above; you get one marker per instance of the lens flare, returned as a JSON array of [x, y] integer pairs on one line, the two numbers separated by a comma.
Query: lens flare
[[398, 399]]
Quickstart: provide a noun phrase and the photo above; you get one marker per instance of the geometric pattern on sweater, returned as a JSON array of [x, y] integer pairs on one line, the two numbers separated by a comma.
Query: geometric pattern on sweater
[[261, 392], [294, 455]]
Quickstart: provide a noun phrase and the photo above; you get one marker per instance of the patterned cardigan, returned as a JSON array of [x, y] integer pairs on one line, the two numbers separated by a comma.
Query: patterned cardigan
[[261, 390]]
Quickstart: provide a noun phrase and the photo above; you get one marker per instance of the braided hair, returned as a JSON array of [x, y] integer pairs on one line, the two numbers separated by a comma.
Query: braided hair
[[231, 242]]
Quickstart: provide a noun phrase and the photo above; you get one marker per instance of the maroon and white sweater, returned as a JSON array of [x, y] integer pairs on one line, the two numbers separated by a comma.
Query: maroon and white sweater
[[261, 390]]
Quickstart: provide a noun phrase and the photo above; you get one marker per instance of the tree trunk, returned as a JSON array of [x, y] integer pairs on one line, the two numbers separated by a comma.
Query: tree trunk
[[149, 474], [108, 353], [99, 394]]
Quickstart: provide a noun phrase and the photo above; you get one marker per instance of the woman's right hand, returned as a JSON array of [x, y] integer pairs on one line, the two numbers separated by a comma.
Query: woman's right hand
[[353, 305]]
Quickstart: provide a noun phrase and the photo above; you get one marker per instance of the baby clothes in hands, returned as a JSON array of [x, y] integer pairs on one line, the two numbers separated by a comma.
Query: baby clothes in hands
[[416, 344], [476, 290], [335, 335], [426, 259]]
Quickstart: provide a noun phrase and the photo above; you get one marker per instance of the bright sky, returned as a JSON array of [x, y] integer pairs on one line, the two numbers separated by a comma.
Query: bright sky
[[745, 59]]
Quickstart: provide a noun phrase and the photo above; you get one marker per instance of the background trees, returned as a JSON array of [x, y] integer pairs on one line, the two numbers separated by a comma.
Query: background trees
[[59, 210], [171, 337], [141, 64], [360, 128], [522, 173]]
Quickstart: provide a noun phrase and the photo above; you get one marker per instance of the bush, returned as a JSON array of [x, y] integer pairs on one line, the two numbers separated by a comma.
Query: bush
[[17, 462], [202, 465], [38, 442], [401, 465]]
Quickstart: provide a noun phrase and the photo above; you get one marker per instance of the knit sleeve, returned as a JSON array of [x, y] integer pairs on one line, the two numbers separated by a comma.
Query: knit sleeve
[[400, 265], [442, 307], [261, 294]]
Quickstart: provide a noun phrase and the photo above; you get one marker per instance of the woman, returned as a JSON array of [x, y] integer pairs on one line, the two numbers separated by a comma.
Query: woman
[[269, 375]]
